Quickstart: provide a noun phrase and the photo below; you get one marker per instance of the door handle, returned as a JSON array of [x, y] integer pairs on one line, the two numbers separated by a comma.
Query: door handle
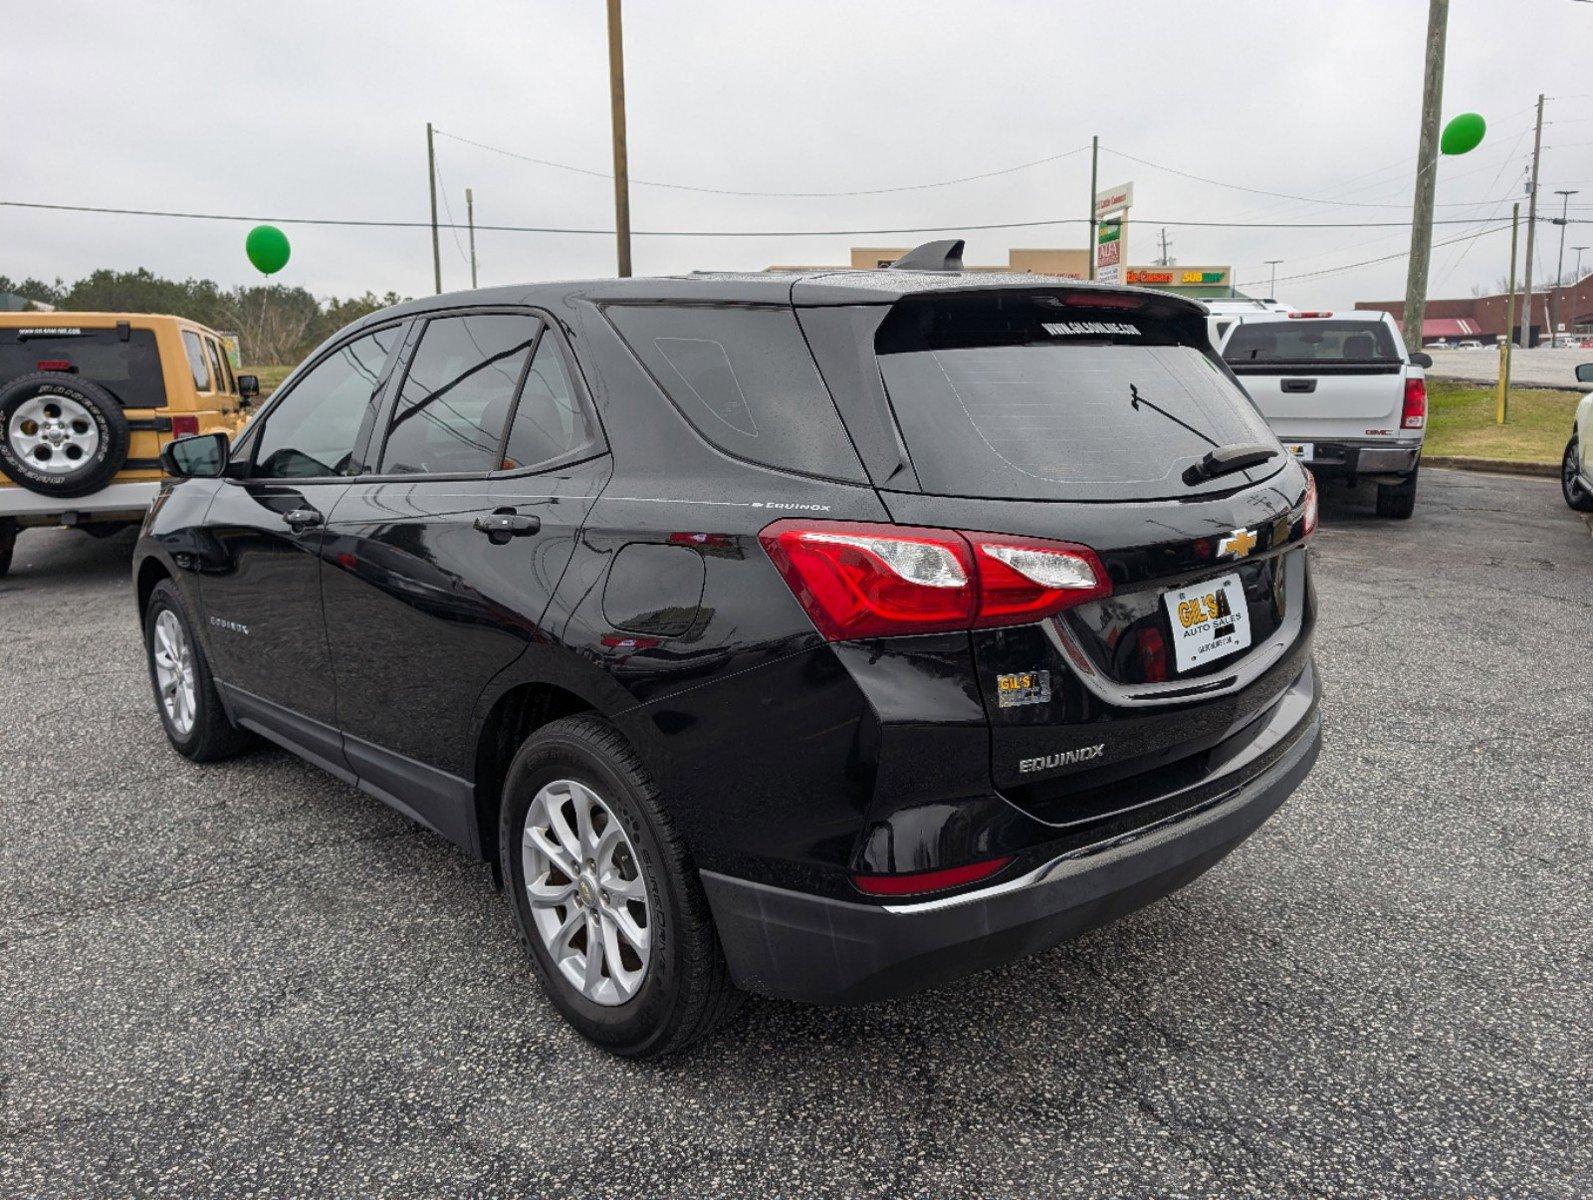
[[301, 519], [505, 524]]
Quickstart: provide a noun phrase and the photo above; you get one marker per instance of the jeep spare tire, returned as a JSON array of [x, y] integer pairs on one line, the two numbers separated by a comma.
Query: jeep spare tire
[[60, 435]]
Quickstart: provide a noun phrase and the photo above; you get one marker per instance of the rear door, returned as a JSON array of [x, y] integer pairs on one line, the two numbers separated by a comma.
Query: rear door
[[1321, 379], [439, 565], [1038, 415]]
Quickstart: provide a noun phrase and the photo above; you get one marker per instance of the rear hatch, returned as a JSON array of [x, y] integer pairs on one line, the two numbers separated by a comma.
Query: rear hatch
[[1321, 378], [1073, 417]]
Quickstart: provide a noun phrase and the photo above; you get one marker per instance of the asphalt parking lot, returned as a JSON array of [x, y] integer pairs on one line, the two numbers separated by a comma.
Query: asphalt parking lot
[[250, 979]]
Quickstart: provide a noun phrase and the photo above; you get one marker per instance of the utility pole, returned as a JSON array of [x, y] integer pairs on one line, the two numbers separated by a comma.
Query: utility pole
[[1532, 222], [1166, 259], [1095, 162], [1421, 227], [1272, 288], [1502, 399], [431, 178], [1565, 195], [616, 93], [470, 219]]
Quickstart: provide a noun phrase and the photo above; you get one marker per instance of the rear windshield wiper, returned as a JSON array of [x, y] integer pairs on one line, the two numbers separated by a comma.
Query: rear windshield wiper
[[1219, 461]]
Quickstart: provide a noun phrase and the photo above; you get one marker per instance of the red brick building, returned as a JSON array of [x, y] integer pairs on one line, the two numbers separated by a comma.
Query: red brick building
[[1572, 305]]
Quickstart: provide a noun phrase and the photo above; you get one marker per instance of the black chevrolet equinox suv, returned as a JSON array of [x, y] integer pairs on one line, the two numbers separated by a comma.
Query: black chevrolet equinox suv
[[823, 635]]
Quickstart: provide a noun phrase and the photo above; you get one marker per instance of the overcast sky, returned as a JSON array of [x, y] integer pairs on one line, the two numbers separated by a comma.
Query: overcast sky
[[308, 108]]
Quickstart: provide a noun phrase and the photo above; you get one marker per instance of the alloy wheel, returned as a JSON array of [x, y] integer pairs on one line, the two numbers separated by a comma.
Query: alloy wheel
[[174, 672], [53, 434], [588, 899]]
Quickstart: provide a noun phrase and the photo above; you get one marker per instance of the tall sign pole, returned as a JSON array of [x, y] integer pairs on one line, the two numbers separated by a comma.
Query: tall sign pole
[[1095, 156], [1421, 227], [1532, 224], [616, 91], [1565, 195], [1502, 400], [431, 179], [470, 219]]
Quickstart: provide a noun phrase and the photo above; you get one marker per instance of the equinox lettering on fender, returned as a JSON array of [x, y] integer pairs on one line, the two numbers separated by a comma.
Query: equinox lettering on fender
[[1063, 758], [231, 626]]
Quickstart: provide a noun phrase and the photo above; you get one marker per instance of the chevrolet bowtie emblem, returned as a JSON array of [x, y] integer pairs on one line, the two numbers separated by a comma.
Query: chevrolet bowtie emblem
[[1238, 543]]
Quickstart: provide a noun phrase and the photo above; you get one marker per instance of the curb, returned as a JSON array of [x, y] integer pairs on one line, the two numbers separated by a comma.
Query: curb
[[1495, 466]]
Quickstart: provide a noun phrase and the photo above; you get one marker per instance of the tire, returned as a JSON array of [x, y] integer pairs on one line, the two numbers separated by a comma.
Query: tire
[[1577, 496], [683, 991], [206, 735], [1397, 501], [8, 543], [61, 436]]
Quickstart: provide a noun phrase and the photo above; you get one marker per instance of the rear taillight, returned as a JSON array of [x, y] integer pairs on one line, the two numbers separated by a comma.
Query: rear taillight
[[184, 426], [1308, 518], [916, 883], [858, 580], [1103, 300], [1415, 414], [1296, 316]]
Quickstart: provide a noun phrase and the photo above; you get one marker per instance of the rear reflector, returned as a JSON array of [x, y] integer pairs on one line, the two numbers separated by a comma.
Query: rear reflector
[[1415, 414], [919, 882], [859, 580], [53, 364], [184, 426]]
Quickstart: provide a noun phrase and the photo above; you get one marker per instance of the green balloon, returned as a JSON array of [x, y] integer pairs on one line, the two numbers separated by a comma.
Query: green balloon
[[267, 248], [1463, 133]]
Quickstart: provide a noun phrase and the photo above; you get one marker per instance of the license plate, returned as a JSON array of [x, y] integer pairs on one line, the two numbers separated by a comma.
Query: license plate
[[1210, 620], [1300, 450]]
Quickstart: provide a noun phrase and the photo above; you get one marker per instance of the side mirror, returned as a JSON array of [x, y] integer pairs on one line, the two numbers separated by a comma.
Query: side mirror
[[203, 456], [248, 386], [1422, 359], [1584, 373]]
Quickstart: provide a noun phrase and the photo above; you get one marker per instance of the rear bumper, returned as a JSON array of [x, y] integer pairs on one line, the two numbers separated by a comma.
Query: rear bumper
[[811, 948], [1354, 458], [116, 499]]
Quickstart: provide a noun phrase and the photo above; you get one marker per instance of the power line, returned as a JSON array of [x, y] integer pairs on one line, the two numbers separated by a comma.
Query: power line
[[953, 226], [712, 191], [1367, 262]]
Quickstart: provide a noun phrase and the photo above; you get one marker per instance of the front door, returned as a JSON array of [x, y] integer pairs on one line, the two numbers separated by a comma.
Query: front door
[[261, 582], [438, 568]]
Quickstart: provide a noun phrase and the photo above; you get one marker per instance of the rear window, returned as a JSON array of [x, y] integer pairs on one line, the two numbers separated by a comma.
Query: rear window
[[1019, 396], [745, 379], [1308, 341], [129, 369]]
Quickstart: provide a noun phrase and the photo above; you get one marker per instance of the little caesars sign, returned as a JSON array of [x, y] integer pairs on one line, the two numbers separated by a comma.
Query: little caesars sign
[[1111, 215]]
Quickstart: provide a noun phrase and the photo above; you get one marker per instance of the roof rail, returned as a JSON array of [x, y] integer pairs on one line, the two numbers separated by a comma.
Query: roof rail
[[931, 256]]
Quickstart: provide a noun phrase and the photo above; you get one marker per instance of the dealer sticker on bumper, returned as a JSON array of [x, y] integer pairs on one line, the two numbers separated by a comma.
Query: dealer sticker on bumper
[[1304, 451], [1210, 620]]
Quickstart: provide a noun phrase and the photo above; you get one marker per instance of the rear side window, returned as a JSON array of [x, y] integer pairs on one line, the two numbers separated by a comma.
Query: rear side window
[[1312, 340], [1012, 396], [457, 395], [200, 370], [127, 368], [745, 379], [549, 420]]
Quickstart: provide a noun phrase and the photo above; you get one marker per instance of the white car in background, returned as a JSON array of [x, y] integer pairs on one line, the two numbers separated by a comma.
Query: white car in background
[[1576, 469], [1223, 315], [1342, 394]]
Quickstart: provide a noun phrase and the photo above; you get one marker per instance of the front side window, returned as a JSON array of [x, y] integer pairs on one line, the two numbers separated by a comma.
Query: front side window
[[196, 361], [218, 367], [313, 430], [457, 395]]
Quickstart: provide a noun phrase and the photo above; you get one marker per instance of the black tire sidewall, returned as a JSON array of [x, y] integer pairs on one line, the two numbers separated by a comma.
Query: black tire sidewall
[[648, 1017], [115, 436], [1580, 500]]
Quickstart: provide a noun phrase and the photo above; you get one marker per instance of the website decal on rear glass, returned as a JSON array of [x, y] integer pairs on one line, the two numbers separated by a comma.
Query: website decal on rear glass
[[1090, 328]]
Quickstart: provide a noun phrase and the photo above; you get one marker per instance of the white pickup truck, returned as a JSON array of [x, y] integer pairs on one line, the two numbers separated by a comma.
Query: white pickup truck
[[1341, 393]]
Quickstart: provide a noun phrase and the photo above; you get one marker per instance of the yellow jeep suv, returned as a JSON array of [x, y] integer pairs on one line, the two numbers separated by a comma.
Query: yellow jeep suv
[[88, 400]]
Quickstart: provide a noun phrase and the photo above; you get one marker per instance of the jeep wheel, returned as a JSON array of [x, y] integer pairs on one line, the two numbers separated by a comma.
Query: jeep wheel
[[606, 898], [8, 543], [60, 435]]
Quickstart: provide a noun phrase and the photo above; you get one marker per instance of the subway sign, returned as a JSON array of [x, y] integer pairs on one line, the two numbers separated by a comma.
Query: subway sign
[[1177, 277]]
